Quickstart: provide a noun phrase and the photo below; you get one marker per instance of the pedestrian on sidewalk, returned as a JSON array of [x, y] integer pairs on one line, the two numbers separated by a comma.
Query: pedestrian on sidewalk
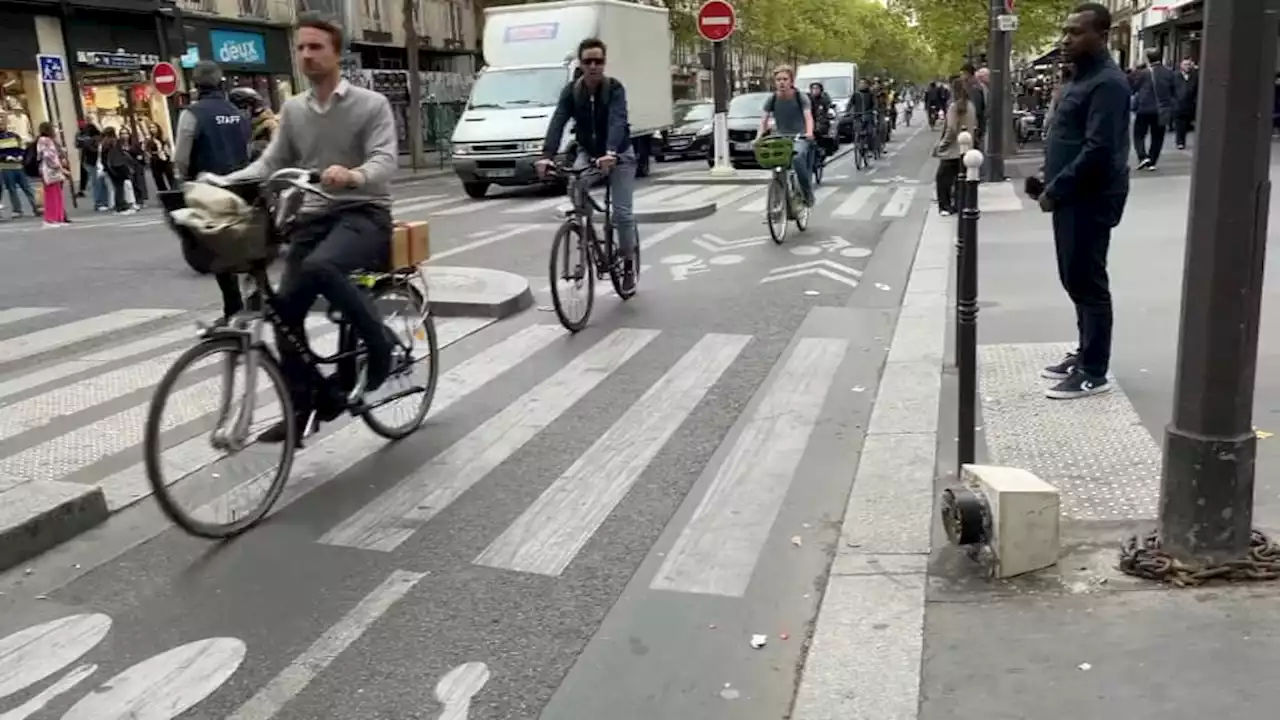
[[961, 116], [1153, 97], [118, 166], [54, 172], [1086, 185], [12, 176], [1186, 94], [160, 150]]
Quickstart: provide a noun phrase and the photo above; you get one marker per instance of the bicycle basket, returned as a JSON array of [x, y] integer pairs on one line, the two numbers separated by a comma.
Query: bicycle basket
[[235, 235], [775, 152]]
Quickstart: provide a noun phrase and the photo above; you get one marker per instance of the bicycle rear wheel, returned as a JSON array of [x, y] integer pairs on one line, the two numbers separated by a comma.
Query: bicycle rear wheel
[[775, 211], [571, 265], [415, 363], [170, 493]]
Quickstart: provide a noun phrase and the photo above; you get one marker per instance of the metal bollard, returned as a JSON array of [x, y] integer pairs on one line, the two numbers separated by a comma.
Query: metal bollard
[[965, 141], [967, 308]]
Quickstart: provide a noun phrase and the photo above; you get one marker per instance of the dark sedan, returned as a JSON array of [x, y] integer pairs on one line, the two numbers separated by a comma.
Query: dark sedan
[[745, 112], [690, 136]]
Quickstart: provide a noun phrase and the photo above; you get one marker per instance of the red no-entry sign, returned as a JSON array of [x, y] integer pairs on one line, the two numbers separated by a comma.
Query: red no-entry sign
[[165, 79], [716, 20]]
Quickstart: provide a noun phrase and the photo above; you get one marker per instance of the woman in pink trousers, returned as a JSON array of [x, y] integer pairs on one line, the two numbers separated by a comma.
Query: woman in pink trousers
[[53, 173]]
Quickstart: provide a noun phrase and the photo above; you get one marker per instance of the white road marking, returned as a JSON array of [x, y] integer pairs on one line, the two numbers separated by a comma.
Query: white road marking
[[717, 552], [41, 341], [738, 194], [458, 686], [394, 516], [900, 202], [37, 652], [465, 247], [330, 456], [13, 315], [163, 686], [853, 204], [476, 206], [547, 536], [62, 686], [298, 674], [648, 241]]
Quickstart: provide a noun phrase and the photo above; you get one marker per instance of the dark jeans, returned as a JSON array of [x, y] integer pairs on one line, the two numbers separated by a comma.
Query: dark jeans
[[947, 179], [1182, 126], [162, 173], [1082, 238], [117, 189], [322, 253], [1144, 123]]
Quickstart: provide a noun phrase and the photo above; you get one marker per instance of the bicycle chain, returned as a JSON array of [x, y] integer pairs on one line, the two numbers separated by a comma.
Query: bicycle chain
[[1142, 556]]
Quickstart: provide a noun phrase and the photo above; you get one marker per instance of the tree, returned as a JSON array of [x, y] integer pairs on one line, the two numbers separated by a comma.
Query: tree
[[952, 26]]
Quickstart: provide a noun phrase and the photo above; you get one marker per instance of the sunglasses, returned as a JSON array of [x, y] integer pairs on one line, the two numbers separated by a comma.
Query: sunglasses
[[592, 61]]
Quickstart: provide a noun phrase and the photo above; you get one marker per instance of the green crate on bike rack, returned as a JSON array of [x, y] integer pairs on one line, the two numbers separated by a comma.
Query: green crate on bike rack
[[774, 152]]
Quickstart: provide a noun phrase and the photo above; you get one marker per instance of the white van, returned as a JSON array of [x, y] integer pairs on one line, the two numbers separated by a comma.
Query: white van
[[840, 81]]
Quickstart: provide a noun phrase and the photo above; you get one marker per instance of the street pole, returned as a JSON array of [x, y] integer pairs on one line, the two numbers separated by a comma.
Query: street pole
[[720, 122], [998, 111], [1206, 493], [413, 119]]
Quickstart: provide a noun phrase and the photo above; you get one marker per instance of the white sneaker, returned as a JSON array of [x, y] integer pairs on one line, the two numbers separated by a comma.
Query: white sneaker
[[126, 211]]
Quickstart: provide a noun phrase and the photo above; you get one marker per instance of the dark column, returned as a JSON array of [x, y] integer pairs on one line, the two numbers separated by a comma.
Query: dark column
[[1206, 498], [998, 107]]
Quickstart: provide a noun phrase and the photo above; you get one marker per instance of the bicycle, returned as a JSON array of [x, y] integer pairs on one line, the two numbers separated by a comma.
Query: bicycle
[[784, 198], [241, 341], [595, 249]]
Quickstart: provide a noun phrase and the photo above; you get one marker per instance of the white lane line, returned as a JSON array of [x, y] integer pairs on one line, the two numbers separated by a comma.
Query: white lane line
[[738, 193], [331, 455], [757, 205], [409, 209], [821, 194], [717, 551], [130, 485], [853, 204], [465, 247], [547, 536], [13, 315], [291, 681], [648, 241], [41, 341], [394, 516], [899, 203], [544, 205], [476, 206]]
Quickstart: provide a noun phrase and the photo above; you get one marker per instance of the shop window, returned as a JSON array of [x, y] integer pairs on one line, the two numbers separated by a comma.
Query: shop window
[[131, 107], [20, 102]]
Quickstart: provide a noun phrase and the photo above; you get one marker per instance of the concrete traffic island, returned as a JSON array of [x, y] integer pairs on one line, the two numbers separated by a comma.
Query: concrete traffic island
[[476, 292], [39, 515]]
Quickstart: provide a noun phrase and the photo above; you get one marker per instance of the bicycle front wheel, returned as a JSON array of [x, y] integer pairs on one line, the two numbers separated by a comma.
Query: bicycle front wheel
[[176, 490], [398, 408], [775, 211], [571, 273]]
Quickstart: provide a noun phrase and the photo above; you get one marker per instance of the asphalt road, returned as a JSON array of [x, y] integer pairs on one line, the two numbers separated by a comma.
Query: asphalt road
[[588, 526]]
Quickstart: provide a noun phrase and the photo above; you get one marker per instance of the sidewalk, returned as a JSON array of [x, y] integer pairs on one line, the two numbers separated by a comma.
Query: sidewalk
[[1082, 641]]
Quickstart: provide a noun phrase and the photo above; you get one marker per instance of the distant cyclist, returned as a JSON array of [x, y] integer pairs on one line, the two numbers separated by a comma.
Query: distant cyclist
[[597, 104], [263, 122], [820, 103], [793, 117]]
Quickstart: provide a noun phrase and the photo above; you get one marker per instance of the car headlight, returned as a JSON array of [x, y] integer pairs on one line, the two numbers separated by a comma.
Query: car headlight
[[531, 146], [704, 130], [461, 149]]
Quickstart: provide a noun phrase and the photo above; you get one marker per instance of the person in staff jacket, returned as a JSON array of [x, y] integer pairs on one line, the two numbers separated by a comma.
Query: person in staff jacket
[[1086, 185], [213, 137]]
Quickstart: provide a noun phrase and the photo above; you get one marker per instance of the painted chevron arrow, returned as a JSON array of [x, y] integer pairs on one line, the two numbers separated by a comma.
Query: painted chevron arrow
[[829, 269], [716, 244]]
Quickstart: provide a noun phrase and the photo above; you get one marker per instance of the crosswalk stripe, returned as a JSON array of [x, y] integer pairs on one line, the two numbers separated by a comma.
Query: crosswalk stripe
[[476, 206], [550, 533], [328, 458], [42, 341], [13, 315], [717, 551], [395, 515], [853, 204], [900, 202]]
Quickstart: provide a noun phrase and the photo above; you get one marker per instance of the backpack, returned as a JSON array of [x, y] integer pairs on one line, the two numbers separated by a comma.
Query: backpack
[[31, 161]]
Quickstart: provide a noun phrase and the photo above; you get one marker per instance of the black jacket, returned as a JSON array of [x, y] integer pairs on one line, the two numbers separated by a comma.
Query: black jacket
[[599, 119], [1186, 91], [1153, 88], [1087, 151]]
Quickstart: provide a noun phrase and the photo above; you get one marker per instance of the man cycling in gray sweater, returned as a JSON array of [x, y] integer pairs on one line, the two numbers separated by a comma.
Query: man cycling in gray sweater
[[348, 134]]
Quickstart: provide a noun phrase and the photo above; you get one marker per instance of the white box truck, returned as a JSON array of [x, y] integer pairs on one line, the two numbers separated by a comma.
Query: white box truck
[[530, 54]]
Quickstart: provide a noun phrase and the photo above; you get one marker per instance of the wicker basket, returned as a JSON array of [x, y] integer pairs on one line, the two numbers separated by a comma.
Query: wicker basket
[[238, 248], [775, 152]]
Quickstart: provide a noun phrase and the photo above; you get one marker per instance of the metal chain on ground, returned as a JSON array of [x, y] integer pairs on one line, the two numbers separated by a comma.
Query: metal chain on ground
[[1142, 556]]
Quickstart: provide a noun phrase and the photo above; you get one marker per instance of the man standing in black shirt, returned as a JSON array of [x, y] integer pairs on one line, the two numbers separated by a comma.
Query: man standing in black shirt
[[1086, 186]]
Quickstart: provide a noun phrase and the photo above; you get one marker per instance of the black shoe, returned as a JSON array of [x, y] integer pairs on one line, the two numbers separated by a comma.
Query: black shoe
[[1078, 385], [275, 434], [1062, 369], [378, 362], [629, 274]]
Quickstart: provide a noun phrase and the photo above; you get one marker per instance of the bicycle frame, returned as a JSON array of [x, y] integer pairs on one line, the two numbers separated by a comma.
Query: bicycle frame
[[582, 211]]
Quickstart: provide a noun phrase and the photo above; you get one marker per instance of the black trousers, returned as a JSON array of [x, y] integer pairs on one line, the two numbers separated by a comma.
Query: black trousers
[[322, 253], [1182, 126], [1082, 238], [947, 179], [1144, 123]]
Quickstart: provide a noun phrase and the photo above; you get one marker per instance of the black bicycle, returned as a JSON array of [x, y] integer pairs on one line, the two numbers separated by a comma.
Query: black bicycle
[[583, 252], [241, 344]]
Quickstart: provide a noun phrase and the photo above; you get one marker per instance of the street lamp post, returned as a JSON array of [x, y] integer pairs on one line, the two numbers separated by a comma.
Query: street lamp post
[[1206, 494]]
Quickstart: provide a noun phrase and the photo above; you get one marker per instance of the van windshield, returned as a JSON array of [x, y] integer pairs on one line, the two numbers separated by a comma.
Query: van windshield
[[836, 87], [523, 87]]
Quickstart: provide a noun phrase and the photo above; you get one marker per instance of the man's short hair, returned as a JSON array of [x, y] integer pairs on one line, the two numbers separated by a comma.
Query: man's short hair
[[206, 75], [785, 69], [326, 24], [1101, 15], [592, 43]]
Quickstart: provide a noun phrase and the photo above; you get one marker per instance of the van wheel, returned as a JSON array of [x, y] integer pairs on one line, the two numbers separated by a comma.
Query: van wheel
[[476, 190]]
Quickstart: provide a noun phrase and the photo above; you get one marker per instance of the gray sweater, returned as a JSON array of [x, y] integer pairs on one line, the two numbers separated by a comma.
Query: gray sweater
[[356, 131]]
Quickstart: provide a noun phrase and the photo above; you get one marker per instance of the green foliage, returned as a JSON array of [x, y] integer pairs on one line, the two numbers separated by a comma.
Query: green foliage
[[952, 25]]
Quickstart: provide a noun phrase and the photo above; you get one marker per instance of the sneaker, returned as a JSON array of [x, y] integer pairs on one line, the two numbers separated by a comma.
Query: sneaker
[[1142, 164], [1078, 385], [1151, 167], [1062, 369], [628, 275]]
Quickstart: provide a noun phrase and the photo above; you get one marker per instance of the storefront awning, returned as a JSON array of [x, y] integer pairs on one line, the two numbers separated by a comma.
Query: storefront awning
[[1052, 57]]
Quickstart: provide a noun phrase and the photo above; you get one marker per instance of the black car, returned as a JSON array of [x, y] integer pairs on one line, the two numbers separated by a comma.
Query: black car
[[690, 136], [745, 112]]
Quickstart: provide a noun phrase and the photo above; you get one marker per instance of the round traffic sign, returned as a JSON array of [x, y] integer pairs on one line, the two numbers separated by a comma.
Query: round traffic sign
[[716, 20], [165, 78]]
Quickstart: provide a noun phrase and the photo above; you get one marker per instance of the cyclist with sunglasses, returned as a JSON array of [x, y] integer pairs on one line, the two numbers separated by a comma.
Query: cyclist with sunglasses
[[598, 106]]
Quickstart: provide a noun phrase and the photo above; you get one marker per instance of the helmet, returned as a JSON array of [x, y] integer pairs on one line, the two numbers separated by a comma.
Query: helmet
[[245, 98]]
